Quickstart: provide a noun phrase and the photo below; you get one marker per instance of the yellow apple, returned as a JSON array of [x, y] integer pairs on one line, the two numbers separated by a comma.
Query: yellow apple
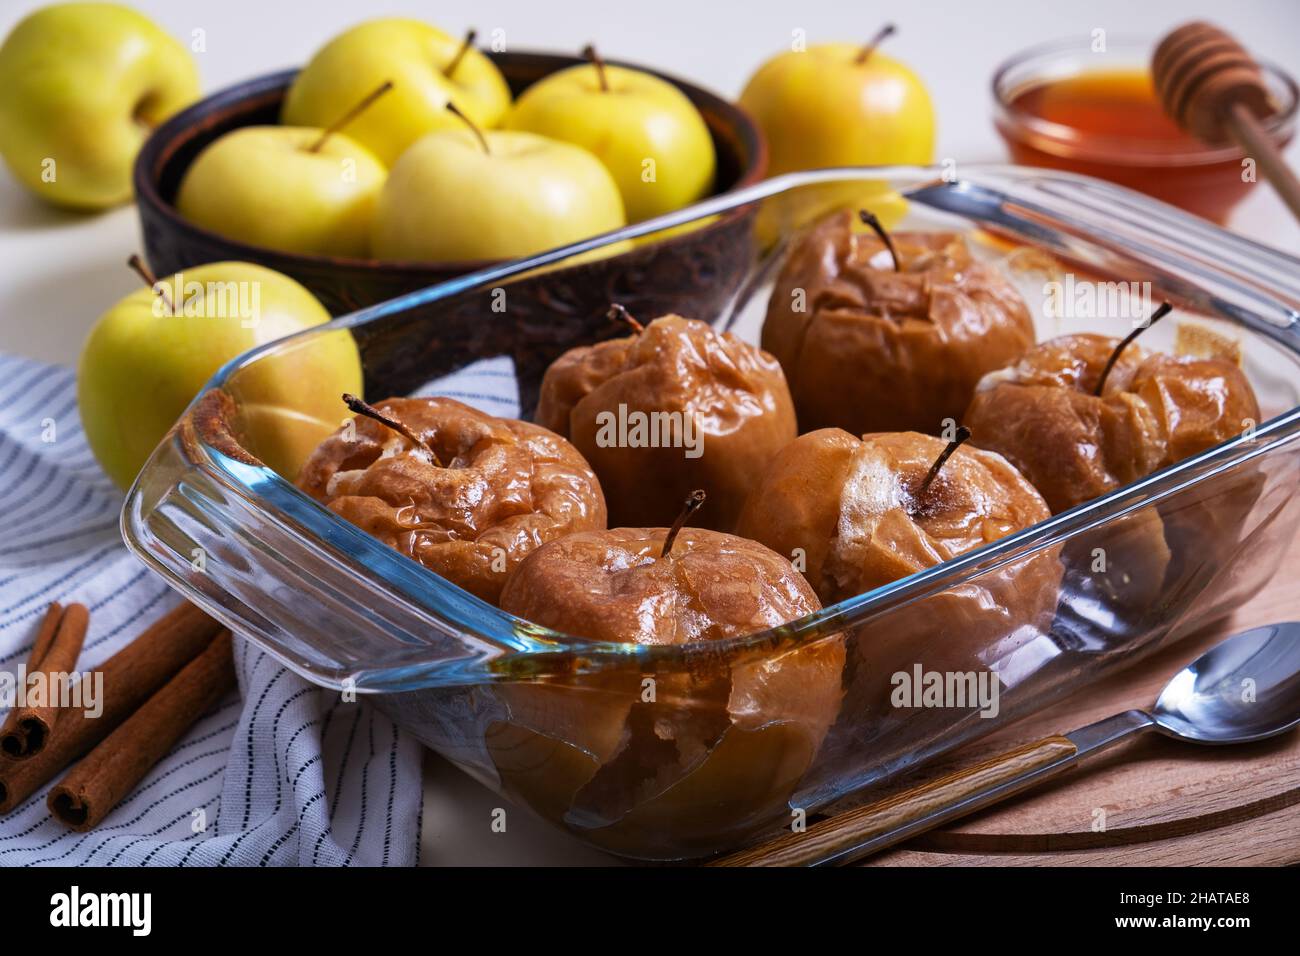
[[269, 186], [650, 137], [831, 105], [822, 107], [150, 354], [413, 56], [81, 87], [454, 197]]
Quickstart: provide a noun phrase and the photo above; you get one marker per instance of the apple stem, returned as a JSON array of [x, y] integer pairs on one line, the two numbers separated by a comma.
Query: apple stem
[[454, 110], [465, 46], [869, 47], [589, 51], [144, 272], [1164, 309], [871, 220], [350, 115], [617, 313], [363, 408], [963, 433], [692, 504]]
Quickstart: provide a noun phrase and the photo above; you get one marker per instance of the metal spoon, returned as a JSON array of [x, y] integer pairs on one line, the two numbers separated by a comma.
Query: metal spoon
[[1244, 689]]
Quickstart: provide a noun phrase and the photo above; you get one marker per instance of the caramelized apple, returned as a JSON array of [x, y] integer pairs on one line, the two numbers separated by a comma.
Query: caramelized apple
[[466, 494], [870, 347], [1078, 436], [1044, 416], [861, 513], [673, 407], [703, 753]]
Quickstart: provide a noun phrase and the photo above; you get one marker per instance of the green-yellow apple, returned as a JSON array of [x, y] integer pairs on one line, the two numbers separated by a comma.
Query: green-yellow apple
[[428, 69], [646, 132], [839, 104], [462, 196], [286, 187], [150, 354], [81, 87]]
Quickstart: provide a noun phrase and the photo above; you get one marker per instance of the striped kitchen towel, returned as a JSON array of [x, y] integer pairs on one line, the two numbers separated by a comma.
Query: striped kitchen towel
[[282, 772]]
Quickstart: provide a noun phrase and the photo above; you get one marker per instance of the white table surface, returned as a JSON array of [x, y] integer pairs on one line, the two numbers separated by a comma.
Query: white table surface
[[59, 271]]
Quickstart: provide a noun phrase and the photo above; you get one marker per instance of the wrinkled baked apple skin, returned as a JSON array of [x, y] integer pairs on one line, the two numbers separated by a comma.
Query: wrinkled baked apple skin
[[507, 488], [1073, 446], [853, 509], [713, 751], [869, 349], [734, 394]]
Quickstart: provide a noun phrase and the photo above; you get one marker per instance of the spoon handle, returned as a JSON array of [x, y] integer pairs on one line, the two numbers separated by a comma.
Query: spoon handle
[[865, 830]]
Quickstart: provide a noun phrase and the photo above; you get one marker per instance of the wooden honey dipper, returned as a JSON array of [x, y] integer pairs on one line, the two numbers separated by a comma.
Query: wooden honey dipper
[[1215, 91]]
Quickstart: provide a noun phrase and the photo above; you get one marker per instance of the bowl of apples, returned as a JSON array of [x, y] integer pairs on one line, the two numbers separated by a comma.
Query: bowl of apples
[[400, 157]]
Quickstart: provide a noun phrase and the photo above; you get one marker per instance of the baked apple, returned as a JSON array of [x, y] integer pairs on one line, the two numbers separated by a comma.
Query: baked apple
[[861, 513], [694, 756], [1076, 441], [464, 493], [873, 340], [1082, 415], [673, 407]]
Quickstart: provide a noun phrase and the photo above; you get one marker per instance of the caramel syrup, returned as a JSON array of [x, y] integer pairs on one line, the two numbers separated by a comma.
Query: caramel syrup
[[1121, 133]]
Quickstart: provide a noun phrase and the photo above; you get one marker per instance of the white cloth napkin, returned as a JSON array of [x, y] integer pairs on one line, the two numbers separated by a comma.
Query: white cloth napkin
[[282, 773]]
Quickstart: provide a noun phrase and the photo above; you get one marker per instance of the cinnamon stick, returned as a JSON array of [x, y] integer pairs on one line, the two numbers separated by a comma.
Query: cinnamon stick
[[130, 677], [113, 769], [44, 635], [29, 726], [49, 626]]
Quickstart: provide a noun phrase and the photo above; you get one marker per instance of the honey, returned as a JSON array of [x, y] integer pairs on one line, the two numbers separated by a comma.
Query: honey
[[1108, 123], [1105, 103]]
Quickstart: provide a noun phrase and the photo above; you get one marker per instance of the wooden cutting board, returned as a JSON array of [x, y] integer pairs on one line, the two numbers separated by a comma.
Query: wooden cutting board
[[1150, 801]]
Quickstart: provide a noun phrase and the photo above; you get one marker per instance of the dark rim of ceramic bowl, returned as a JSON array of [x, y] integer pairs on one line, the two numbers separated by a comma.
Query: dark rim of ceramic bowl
[[265, 92]]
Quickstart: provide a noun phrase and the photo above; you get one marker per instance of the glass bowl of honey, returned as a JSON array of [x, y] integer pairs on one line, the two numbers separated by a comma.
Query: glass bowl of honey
[[1088, 105]]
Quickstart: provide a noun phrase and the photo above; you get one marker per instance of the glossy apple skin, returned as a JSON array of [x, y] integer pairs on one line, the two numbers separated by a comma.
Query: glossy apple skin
[[262, 185], [1156, 410], [869, 349], [411, 54], [1041, 414], [734, 393], [447, 200], [139, 370], [852, 507], [508, 487], [719, 747], [818, 108], [640, 117], [83, 84]]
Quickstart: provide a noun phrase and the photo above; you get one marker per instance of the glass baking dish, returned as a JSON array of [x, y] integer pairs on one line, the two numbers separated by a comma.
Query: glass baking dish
[[541, 716]]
